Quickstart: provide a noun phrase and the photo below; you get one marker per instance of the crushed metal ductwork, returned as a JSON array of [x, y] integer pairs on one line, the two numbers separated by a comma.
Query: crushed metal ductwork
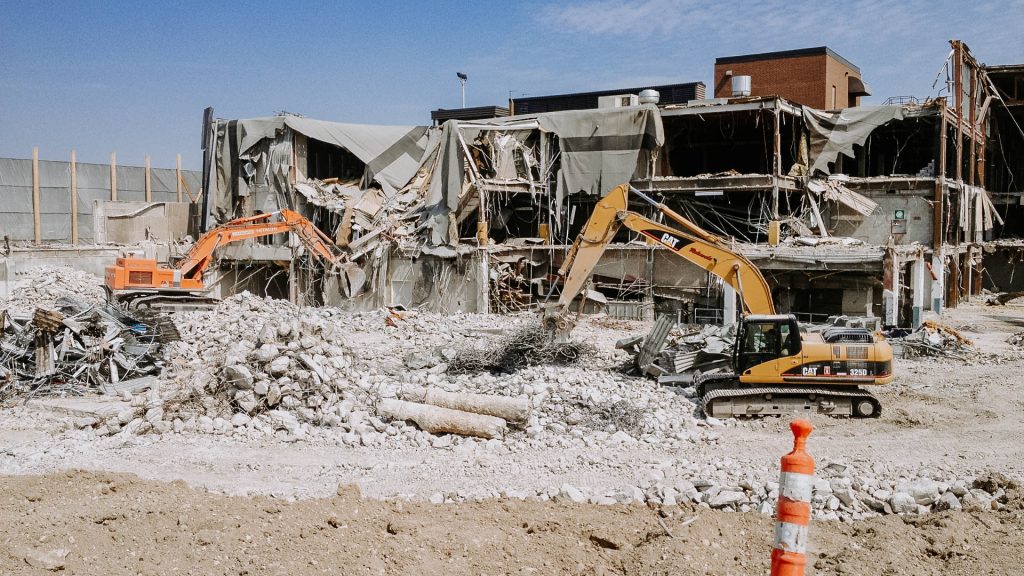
[[77, 348]]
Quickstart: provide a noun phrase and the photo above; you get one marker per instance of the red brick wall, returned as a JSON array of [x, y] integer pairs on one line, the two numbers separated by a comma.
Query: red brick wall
[[805, 80]]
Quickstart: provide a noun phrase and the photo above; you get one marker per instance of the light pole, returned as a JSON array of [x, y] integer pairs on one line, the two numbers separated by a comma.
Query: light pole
[[462, 80]]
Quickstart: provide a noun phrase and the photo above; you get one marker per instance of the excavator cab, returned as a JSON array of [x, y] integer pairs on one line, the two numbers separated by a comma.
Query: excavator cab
[[763, 338]]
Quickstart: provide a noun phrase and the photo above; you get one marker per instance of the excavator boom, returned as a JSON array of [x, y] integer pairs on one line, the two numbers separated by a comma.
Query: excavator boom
[[691, 243], [134, 278]]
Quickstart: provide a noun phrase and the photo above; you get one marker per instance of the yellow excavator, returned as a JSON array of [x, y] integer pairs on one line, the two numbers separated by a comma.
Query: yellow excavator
[[776, 368]]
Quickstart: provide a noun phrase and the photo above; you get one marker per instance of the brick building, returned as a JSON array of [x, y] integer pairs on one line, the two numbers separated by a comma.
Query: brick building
[[816, 77]]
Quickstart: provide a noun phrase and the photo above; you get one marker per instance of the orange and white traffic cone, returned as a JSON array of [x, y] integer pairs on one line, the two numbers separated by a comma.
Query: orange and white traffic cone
[[796, 483]]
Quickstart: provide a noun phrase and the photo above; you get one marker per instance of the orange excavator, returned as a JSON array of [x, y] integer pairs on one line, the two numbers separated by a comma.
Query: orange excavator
[[143, 282], [777, 368]]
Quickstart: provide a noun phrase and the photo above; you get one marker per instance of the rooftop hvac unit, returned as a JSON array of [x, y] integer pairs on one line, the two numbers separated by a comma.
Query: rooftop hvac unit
[[649, 96], [740, 86], [618, 101]]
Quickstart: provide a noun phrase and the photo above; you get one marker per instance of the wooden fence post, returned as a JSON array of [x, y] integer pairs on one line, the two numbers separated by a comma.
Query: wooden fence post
[[35, 196], [177, 176], [74, 199], [149, 187], [113, 176]]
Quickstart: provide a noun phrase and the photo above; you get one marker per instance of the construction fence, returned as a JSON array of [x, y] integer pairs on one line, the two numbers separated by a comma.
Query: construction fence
[[37, 203]]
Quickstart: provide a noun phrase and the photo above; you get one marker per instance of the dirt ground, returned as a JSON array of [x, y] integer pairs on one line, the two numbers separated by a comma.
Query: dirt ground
[[118, 524], [216, 505]]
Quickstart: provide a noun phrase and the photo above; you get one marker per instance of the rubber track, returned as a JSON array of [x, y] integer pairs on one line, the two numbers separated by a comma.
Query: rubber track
[[741, 391]]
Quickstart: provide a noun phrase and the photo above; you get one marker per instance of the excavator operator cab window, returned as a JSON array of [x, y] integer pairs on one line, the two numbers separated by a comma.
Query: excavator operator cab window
[[766, 341]]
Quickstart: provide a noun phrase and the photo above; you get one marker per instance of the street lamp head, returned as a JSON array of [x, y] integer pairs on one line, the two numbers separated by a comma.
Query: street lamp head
[[462, 76]]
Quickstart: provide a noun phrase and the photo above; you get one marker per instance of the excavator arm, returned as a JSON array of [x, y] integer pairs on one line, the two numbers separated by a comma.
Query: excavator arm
[[693, 244], [199, 257]]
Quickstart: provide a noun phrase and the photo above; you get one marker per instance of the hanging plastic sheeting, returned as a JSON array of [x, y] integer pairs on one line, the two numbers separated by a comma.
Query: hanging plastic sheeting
[[600, 148], [834, 133], [445, 185]]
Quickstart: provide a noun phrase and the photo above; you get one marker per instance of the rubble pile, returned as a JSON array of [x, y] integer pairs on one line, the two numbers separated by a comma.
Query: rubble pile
[[683, 349], [42, 286], [77, 348], [840, 492], [267, 366], [933, 339], [256, 367], [1016, 339]]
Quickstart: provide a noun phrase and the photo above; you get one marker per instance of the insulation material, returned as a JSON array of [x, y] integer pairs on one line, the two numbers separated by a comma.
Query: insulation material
[[835, 191], [600, 148], [835, 133]]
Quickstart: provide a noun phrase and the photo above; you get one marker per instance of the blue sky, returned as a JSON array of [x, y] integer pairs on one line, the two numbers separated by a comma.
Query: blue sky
[[135, 76]]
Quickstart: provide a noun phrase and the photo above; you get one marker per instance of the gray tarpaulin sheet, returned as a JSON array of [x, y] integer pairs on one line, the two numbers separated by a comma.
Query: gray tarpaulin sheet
[[445, 184], [392, 154], [600, 148], [834, 133]]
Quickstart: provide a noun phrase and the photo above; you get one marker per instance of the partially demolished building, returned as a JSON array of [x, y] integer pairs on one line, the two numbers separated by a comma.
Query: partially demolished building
[[869, 210]]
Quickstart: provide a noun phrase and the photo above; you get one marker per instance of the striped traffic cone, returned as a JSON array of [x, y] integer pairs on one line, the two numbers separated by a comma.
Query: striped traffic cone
[[796, 482]]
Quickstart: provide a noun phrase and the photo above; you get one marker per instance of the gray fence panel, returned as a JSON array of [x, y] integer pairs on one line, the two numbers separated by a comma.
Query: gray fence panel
[[16, 218]]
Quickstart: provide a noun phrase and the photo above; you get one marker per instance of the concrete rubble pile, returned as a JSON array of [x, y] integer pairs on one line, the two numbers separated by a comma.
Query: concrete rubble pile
[[77, 348], [840, 492], [41, 286], [255, 367], [933, 339]]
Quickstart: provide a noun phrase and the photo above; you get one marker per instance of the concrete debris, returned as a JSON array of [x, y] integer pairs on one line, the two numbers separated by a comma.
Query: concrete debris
[[931, 339], [298, 372], [686, 350], [850, 494], [516, 410], [437, 420], [79, 347], [52, 560], [1002, 298], [42, 286]]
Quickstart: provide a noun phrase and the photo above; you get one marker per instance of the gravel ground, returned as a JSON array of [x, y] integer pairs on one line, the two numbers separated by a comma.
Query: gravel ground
[[110, 524], [946, 424]]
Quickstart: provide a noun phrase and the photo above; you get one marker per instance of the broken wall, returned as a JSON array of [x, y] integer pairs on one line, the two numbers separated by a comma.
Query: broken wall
[[132, 222], [877, 228]]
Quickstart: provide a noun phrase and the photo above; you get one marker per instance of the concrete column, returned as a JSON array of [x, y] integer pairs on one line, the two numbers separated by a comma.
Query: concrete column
[[890, 288], [869, 307], [483, 295], [728, 304], [939, 283], [917, 284]]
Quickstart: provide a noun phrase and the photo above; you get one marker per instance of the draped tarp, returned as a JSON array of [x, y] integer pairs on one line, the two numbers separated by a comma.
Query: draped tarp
[[835, 133], [392, 154], [445, 185], [600, 148]]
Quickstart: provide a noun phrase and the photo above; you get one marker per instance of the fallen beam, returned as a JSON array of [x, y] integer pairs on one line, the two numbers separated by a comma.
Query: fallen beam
[[437, 420], [515, 410]]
